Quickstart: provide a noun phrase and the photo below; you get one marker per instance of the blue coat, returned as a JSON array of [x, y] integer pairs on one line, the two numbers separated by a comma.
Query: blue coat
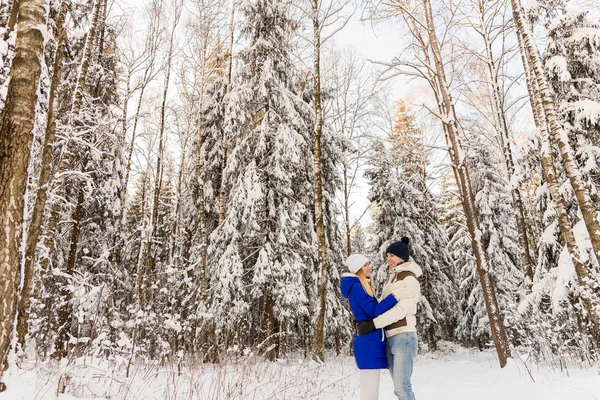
[[369, 349]]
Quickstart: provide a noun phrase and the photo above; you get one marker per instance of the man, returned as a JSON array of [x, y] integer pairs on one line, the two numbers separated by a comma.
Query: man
[[400, 321]]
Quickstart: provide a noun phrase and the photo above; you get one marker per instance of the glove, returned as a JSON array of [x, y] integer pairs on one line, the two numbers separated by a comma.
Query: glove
[[364, 327]]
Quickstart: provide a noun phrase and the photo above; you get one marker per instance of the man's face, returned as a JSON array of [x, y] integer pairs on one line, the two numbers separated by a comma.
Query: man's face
[[393, 260]]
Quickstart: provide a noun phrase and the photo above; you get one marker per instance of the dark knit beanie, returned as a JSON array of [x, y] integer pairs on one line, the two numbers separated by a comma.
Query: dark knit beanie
[[400, 248]]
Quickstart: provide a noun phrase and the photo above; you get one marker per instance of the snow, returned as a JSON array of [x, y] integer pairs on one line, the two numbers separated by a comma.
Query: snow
[[588, 34], [565, 273], [559, 66], [586, 111], [451, 374]]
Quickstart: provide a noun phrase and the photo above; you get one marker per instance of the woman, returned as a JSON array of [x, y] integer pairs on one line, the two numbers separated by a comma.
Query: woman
[[369, 349]]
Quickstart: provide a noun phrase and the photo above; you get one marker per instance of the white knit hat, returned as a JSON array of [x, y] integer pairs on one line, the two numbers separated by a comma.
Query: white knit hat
[[356, 262]]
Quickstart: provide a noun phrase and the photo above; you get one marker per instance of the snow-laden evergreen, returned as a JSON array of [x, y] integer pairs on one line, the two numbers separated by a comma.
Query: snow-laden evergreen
[[79, 275], [572, 60], [499, 236], [263, 251]]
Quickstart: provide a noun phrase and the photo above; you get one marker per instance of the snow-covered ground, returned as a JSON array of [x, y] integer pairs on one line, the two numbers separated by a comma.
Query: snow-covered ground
[[452, 374]]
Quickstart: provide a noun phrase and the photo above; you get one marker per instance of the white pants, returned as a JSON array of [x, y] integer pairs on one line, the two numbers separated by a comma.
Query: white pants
[[369, 384]]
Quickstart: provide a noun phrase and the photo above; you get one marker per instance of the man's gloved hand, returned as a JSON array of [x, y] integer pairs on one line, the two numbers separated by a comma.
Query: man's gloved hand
[[364, 327]]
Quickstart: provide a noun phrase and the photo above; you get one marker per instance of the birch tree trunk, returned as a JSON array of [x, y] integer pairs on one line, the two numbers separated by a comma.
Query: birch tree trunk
[[150, 259], [319, 349], [61, 345], [463, 181], [347, 210], [587, 207], [149, 53], [12, 19], [202, 207], [35, 226], [119, 222], [16, 133]]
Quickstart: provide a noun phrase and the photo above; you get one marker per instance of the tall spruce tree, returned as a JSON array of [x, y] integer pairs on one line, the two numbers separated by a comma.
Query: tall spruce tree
[[499, 234], [265, 243]]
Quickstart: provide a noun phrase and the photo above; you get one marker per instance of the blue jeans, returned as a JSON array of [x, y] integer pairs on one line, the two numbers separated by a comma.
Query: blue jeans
[[401, 352]]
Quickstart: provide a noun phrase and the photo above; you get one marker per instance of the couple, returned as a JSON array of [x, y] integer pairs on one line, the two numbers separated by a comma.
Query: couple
[[395, 313]]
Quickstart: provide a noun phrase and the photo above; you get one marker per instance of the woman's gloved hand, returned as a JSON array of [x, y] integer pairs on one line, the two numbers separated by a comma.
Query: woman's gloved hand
[[364, 327]]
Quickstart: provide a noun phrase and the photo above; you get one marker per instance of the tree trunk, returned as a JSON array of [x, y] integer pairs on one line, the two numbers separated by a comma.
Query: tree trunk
[[347, 212], [85, 61], [16, 133], [270, 328], [102, 28], [565, 226], [120, 221], [150, 259], [65, 311], [175, 231], [203, 241], [463, 181], [319, 349], [587, 207], [12, 19], [42, 192], [140, 270]]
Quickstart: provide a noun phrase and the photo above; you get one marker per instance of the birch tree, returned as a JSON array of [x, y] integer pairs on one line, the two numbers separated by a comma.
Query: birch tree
[[347, 110], [323, 15], [158, 171], [16, 132], [44, 179]]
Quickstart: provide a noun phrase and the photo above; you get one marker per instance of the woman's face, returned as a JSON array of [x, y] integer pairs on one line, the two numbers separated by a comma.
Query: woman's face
[[366, 269]]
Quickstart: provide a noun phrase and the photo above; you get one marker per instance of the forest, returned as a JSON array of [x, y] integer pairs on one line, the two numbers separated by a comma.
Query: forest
[[181, 181]]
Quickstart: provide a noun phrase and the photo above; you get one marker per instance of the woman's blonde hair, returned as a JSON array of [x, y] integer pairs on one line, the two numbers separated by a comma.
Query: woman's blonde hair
[[366, 283]]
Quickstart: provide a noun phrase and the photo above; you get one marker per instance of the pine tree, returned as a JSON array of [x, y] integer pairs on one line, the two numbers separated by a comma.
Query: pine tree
[[572, 60], [79, 255], [499, 233], [265, 243]]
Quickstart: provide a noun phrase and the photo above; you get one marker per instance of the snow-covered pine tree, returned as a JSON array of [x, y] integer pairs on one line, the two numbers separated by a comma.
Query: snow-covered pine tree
[[385, 189], [470, 315], [400, 188], [358, 238], [572, 60], [499, 231], [91, 186], [260, 253]]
